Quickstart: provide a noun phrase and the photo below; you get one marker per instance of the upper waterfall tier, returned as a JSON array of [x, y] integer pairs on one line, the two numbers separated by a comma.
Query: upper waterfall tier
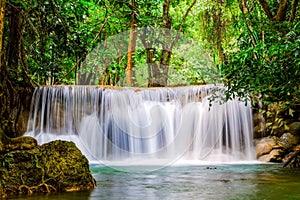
[[160, 123]]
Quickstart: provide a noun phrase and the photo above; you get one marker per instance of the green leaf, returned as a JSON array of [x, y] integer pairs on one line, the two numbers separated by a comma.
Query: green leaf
[[291, 112]]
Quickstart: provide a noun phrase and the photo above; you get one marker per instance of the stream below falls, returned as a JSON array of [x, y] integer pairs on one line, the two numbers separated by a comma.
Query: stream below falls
[[190, 181], [163, 143]]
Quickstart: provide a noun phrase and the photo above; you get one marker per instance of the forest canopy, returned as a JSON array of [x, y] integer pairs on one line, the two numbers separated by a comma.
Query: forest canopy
[[250, 47]]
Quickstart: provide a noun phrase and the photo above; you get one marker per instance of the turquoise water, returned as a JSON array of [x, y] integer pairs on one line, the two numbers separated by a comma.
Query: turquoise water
[[239, 181]]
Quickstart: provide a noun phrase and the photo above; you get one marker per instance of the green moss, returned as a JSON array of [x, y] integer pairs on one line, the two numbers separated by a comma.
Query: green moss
[[53, 167]]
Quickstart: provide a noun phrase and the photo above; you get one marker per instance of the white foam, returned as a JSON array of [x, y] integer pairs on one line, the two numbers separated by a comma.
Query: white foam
[[153, 127]]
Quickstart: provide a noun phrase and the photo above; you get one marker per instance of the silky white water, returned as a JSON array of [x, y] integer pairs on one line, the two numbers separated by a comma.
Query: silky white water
[[161, 124]]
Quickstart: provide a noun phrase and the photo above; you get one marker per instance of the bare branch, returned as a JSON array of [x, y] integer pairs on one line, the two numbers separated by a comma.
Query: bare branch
[[69, 72], [101, 29], [182, 22]]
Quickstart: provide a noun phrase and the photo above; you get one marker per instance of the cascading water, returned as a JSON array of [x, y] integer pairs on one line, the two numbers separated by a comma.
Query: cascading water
[[163, 123]]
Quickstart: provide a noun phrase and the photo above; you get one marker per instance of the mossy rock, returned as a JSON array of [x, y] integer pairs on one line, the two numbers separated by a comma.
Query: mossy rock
[[53, 167]]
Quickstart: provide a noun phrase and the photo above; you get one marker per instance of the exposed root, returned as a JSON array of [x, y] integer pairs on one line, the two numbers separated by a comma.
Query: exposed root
[[24, 189], [45, 188]]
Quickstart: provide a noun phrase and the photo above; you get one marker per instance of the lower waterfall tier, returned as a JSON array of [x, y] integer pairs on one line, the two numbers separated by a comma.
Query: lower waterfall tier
[[163, 123]]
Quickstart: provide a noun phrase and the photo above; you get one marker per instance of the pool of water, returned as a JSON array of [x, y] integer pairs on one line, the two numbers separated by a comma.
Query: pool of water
[[235, 181]]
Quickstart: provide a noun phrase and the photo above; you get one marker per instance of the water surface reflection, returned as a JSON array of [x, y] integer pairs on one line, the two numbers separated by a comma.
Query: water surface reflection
[[199, 182], [229, 182]]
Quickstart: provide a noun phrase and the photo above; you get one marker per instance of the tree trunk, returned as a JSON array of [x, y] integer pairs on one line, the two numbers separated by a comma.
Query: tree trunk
[[266, 8], [2, 75], [218, 29], [160, 71], [2, 16], [14, 40], [131, 49], [14, 100], [294, 9], [165, 59], [153, 69], [282, 11]]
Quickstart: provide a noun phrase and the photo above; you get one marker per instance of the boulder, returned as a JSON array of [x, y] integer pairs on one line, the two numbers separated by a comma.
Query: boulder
[[274, 156], [259, 130], [265, 146], [53, 167], [259, 125], [257, 118], [288, 140], [294, 128]]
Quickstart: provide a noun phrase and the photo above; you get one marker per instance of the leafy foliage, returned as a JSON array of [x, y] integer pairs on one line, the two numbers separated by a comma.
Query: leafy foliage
[[57, 36], [266, 64]]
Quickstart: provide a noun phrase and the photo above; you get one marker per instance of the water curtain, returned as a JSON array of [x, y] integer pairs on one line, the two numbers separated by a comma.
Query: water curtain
[[161, 123]]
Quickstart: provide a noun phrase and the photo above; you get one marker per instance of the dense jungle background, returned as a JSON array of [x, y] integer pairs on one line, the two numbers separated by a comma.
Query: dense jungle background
[[252, 47]]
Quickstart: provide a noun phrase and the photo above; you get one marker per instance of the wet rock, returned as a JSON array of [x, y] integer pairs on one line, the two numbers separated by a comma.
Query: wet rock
[[265, 146], [274, 156], [294, 128], [211, 168], [258, 118], [279, 131], [53, 167], [259, 130], [259, 125], [225, 180], [288, 140]]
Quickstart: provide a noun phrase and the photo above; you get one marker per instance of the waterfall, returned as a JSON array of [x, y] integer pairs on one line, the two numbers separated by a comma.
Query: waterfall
[[113, 124]]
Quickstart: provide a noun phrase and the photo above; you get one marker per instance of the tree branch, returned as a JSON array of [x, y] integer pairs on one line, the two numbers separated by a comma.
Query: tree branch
[[266, 8], [182, 22], [186, 14], [69, 72], [101, 29]]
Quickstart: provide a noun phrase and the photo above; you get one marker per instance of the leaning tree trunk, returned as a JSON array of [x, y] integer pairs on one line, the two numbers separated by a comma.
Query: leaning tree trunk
[[14, 94]]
